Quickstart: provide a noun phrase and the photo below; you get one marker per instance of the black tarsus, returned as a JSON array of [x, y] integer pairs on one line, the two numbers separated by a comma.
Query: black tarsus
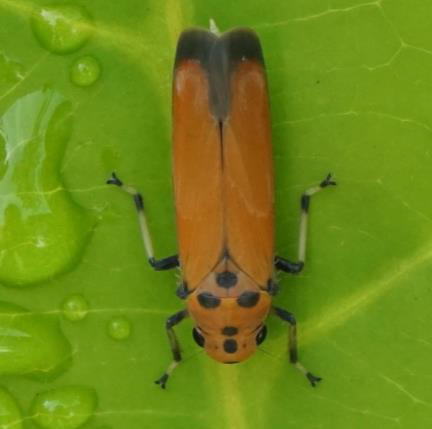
[[328, 181], [288, 266], [165, 263], [313, 379], [114, 180], [162, 380]]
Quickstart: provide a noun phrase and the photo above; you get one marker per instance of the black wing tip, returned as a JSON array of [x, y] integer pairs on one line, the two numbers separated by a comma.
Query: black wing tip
[[194, 44], [219, 56], [242, 43]]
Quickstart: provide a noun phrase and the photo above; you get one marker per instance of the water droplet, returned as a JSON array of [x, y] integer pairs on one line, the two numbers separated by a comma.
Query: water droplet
[[32, 344], [85, 71], [10, 414], [66, 407], [119, 328], [43, 231], [75, 308], [61, 28]]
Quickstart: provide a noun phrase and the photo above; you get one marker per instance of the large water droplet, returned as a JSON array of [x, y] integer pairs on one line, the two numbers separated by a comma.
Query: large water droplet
[[75, 308], [119, 328], [43, 231], [31, 343], [62, 28], [66, 407], [10, 414], [85, 71]]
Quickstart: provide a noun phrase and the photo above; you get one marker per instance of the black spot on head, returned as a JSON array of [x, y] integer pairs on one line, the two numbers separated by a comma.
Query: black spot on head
[[208, 300], [232, 361], [229, 331], [248, 299], [230, 346], [226, 279], [199, 339]]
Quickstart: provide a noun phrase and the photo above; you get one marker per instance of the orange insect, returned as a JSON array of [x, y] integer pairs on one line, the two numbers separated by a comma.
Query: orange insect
[[223, 186]]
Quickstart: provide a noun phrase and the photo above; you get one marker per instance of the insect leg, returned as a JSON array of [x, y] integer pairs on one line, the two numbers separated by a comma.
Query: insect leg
[[292, 343], [157, 264], [296, 267], [175, 348]]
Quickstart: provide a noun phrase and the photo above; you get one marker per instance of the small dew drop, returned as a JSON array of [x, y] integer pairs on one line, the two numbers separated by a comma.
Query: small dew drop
[[75, 308], [85, 71], [119, 328], [67, 407], [63, 28]]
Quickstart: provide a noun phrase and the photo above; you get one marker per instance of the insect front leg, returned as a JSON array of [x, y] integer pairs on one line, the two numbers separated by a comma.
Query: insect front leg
[[295, 267], [157, 264], [292, 343], [175, 347]]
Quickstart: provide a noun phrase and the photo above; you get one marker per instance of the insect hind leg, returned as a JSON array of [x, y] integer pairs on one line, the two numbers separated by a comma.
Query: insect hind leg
[[157, 264], [295, 267]]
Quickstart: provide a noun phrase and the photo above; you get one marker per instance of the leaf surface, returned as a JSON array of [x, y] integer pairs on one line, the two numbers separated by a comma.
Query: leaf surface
[[351, 92]]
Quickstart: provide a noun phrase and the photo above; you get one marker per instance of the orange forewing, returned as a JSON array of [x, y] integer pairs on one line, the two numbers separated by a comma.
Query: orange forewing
[[248, 173], [196, 174]]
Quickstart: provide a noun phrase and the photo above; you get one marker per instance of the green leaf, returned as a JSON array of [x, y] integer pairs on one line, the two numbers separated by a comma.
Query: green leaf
[[351, 93]]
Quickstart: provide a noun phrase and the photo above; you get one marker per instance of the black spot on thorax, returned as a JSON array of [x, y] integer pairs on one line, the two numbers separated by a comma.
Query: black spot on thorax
[[248, 299], [226, 279], [208, 300]]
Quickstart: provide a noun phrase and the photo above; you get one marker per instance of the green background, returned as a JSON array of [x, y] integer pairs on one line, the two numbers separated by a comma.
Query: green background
[[351, 92]]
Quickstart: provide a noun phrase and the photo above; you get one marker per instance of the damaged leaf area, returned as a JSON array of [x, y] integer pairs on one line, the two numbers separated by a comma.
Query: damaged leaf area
[[85, 90]]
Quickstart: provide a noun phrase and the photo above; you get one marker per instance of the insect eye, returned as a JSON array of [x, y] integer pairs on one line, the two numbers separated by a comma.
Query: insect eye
[[261, 335], [199, 339]]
